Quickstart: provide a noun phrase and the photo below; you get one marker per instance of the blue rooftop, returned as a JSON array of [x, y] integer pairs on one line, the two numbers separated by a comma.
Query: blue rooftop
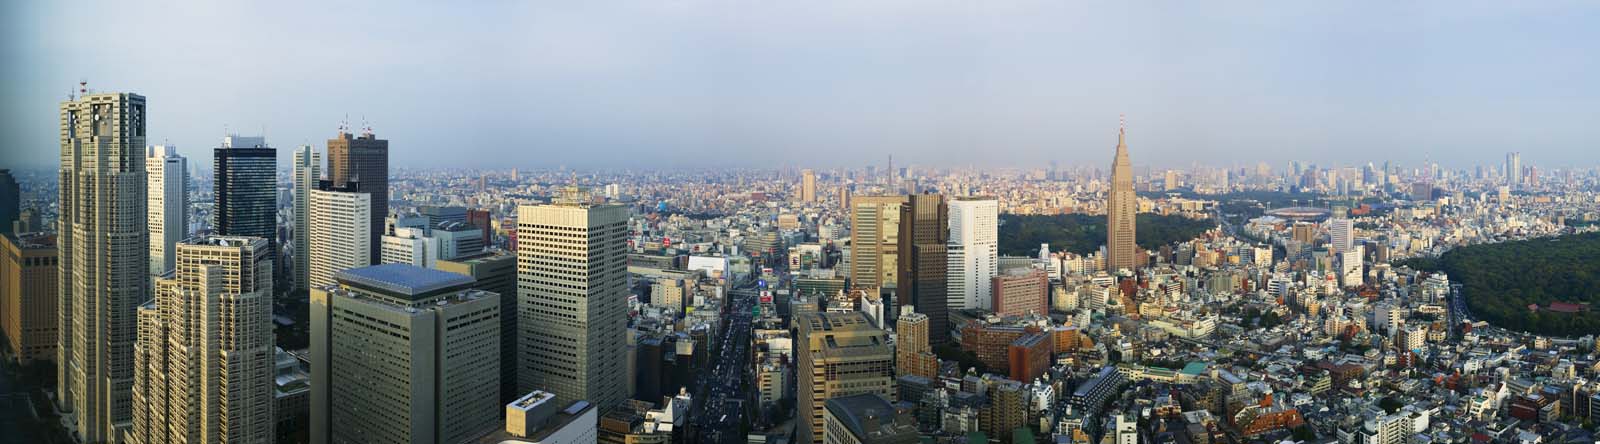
[[403, 279]]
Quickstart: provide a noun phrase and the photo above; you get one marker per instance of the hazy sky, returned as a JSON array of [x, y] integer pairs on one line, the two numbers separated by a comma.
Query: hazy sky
[[823, 83]]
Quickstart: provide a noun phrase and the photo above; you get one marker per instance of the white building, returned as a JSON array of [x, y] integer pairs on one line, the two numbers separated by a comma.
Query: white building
[[307, 171], [167, 196], [339, 239], [973, 251]]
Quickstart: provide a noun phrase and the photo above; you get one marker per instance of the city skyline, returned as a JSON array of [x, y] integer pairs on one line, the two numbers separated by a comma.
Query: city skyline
[[940, 85]]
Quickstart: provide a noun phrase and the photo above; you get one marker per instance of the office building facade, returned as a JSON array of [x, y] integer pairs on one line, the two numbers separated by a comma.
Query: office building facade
[[204, 359], [875, 240], [921, 281], [495, 272], [104, 258], [572, 300], [167, 214], [844, 356], [307, 173], [808, 186], [339, 223], [1121, 207], [364, 161], [28, 285], [246, 189], [974, 251], [404, 354]]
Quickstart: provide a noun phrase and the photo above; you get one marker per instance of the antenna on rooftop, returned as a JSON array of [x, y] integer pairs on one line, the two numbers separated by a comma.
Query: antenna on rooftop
[[83, 86], [344, 125]]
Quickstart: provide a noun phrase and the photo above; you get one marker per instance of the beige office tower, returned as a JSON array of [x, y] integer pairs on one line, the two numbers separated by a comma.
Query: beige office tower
[[307, 171], [875, 240], [844, 356], [808, 186], [339, 223], [104, 259], [402, 354], [572, 308], [1121, 206], [203, 368], [167, 215], [912, 354], [974, 251]]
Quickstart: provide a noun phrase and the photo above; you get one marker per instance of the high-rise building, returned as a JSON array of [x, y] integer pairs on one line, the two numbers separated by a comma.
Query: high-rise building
[[28, 288], [572, 309], [1513, 169], [874, 240], [1021, 291], [404, 354], [204, 365], [339, 223], [1171, 181], [246, 189], [808, 186], [307, 173], [924, 231], [167, 216], [912, 353], [844, 356], [974, 254], [1341, 234], [495, 272], [104, 259], [1121, 206], [10, 201], [364, 161]]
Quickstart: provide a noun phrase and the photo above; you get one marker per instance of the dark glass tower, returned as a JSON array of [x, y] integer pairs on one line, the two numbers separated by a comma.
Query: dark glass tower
[[364, 160], [10, 201], [246, 190], [924, 233]]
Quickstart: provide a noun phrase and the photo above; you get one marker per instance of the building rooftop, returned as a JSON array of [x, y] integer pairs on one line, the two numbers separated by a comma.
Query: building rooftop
[[403, 279], [870, 416]]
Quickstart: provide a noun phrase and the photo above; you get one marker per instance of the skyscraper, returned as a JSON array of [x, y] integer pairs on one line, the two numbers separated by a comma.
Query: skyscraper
[[204, 359], [363, 160], [924, 231], [572, 284], [28, 286], [401, 354], [912, 353], [974, 254], [1513, 169], [339, 223], [104, 260], [307, 173], [246, 189], [874, 240], [10, 201], [496, 272], [1340, 234], [1121, 205], [808, 186], [844, 355], [167, 177]]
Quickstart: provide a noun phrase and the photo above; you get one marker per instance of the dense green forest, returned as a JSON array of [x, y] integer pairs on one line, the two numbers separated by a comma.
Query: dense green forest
[[1499, 281], [1020, 235]]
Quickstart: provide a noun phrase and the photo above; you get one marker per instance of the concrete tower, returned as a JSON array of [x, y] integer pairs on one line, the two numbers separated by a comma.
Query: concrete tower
[[924, 231], [204, 359], [363, 160], [104, 259], [875, 240], [1121, 205], [572, 308], [808, 186], [167, 176], [307, 172], [974, 254], [338, 239], [401, 354]]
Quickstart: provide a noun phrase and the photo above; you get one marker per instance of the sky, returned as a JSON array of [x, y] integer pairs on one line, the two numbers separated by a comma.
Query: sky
[[827, 84]]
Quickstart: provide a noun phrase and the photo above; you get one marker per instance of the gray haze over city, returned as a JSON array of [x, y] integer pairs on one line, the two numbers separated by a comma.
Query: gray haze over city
[[820, 84]]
